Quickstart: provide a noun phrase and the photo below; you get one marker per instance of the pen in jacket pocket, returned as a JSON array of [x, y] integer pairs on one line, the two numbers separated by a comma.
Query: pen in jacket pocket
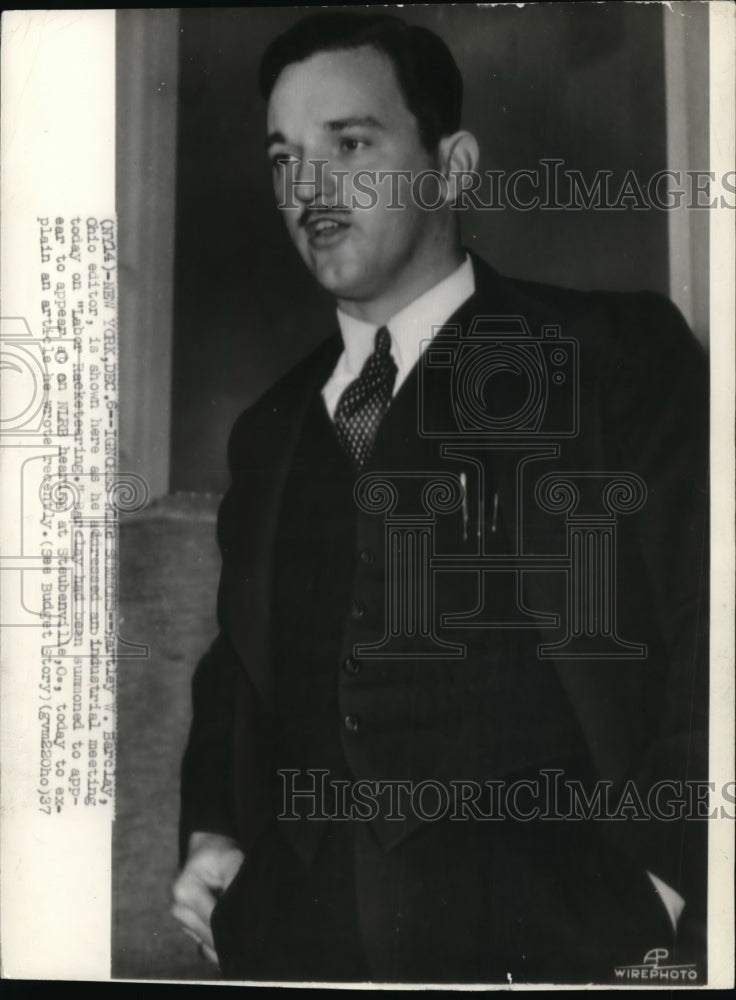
[[465, 510]]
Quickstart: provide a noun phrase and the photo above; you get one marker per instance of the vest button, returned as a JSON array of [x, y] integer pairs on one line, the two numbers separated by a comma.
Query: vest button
[[357, 610], [352, 723], [367, 557], [351, 666]]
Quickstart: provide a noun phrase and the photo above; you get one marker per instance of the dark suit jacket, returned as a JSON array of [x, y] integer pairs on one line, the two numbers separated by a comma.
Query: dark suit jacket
[[643, 409]]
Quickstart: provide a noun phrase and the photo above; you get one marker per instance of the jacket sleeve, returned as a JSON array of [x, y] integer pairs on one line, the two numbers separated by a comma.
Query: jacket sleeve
[[207, 769], [657, 419]]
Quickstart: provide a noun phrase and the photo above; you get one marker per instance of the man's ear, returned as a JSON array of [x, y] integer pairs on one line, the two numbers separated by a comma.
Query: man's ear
[[458, 154]]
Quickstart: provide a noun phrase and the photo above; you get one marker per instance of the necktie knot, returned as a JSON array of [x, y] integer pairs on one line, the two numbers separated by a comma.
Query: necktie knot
[[365, 401], [382, 345]]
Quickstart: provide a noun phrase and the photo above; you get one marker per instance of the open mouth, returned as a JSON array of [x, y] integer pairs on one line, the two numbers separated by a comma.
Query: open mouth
[[324, 226], [323, 229]]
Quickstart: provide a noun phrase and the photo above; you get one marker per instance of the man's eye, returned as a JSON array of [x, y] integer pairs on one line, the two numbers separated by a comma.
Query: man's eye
[[280, 160], [349, 145]]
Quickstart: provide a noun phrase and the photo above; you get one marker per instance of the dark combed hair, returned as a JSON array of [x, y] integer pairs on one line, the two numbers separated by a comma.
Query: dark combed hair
[[424, 66]]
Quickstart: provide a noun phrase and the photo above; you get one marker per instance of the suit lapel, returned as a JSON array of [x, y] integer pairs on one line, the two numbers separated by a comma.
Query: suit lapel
[[597, 691], [263, 447], [600, 692], [427, 402]]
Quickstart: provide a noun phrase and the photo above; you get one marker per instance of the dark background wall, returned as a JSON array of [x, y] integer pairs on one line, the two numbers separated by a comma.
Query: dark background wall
[[581, 82]]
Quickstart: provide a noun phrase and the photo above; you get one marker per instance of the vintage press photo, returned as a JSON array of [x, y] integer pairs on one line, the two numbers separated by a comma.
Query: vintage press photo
[[367, 468]]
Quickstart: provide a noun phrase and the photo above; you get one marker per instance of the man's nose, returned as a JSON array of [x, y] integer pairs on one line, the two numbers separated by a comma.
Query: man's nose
[[310, 180]]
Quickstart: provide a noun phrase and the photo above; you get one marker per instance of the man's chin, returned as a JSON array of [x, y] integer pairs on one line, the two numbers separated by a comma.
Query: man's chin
[[340, 280]]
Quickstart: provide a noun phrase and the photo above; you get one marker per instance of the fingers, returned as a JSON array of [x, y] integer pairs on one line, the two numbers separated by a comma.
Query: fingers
[[209, 953], [204, 949], [230, 867], [191, 892], [193, 906], [213, 862], [192, 925]]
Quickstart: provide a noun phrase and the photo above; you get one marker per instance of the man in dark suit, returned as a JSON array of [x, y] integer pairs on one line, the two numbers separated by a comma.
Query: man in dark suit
[[449, 572]]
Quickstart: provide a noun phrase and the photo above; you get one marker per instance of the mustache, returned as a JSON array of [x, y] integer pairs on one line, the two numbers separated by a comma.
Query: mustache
[[316, 212]]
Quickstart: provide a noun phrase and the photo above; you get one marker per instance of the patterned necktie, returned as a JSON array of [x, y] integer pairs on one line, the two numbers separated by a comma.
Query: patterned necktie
[[364, 403]]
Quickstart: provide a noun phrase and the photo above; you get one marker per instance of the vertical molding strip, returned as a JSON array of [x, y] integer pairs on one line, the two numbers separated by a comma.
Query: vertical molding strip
[[686, 89], [147, 88]]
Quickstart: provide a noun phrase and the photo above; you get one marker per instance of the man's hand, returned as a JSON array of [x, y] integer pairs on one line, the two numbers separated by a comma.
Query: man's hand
[[212, 863]]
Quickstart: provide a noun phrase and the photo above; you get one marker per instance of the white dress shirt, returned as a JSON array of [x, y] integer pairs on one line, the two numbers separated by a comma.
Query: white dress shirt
[[411, 329]]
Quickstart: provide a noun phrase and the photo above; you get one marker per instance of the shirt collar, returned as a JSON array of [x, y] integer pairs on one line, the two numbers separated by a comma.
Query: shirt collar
[[412, 325]]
